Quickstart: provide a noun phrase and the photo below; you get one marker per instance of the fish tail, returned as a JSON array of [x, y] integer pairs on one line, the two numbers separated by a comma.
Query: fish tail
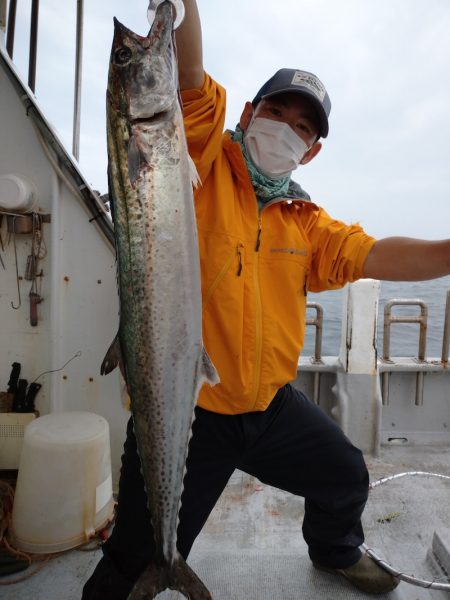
[[178, 576]]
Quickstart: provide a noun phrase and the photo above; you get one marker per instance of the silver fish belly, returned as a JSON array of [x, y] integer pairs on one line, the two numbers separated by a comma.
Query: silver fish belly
[[159, 344]]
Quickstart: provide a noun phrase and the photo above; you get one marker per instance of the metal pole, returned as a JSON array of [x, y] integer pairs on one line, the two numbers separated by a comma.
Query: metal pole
[[446, 337], [318, 324], [33, 44], [422, 321], [3, 16], [11, 27], [77, 92]]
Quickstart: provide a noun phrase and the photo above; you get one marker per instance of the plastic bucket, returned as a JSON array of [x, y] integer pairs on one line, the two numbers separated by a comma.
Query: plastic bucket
[[64, 486]]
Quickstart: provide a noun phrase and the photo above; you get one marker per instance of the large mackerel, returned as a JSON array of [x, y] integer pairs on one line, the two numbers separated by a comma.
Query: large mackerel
[[159, 344]]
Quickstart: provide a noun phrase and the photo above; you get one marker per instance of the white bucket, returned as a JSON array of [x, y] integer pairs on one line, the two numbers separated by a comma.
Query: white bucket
[[64, 486]]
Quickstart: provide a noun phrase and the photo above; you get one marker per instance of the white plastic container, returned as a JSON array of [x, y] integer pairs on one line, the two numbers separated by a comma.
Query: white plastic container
[[17, 194], [64, 486], [12, 432]]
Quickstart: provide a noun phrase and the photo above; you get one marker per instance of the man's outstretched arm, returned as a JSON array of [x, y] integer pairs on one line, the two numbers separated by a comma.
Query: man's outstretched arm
[[408, 259]]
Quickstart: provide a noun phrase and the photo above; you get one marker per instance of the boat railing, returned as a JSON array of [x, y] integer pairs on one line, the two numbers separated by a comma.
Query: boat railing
[[446, 336], [386, 365], [369, 393], [389, 319], [316, 322], [8, 11]]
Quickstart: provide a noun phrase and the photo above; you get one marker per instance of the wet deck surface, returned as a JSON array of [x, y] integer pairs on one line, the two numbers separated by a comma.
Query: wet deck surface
[[252, 547]]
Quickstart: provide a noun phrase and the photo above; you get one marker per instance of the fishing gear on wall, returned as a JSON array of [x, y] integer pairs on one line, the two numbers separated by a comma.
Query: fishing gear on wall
[[18, 203]]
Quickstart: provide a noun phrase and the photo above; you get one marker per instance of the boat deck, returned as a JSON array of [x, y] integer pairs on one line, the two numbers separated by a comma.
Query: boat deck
[[252, 547]]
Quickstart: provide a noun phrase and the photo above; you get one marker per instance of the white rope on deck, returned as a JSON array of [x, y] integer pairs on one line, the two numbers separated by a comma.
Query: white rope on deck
[[435, 585]]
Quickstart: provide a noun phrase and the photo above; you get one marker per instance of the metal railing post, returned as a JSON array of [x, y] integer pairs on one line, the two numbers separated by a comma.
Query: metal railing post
[[11, 27], [446, 336], [78, 75], [388, 320], [33, 44], [317, 322]]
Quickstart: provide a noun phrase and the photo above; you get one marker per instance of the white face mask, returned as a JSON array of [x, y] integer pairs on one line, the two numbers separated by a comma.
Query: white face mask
[[273, 147]]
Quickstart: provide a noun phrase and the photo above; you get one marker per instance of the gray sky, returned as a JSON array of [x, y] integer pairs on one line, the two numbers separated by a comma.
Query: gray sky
[[385, 64]]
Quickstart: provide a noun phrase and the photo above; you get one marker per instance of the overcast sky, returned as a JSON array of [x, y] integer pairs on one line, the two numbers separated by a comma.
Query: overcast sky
[[385, 64]]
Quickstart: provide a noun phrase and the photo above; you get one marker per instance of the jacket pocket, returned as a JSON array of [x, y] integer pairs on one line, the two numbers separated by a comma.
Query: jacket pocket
[[234, 261]]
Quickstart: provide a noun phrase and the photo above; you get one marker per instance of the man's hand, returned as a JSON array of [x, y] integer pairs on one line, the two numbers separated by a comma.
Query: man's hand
[[189, 48], [408, 259]]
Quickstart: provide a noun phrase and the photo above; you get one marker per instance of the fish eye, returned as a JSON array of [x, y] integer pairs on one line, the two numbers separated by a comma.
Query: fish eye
[[123, 55]]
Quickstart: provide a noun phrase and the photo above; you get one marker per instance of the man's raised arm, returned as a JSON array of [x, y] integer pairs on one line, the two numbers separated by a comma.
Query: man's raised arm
[[189, 48]]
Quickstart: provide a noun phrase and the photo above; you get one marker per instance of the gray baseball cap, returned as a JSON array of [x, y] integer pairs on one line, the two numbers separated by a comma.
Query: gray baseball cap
[[300, 82]]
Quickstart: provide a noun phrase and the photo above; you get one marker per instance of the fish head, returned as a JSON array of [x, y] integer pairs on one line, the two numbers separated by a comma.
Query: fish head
[[143, 77]]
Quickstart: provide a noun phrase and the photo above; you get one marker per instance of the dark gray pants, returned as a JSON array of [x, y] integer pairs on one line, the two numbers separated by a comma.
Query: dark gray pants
[[292, 445]]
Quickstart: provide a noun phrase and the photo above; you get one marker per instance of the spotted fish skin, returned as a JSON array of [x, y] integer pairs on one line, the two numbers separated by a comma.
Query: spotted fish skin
[[160, 333]]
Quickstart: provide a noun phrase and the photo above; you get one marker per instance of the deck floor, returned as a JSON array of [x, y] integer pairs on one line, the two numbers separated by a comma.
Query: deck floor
[[252, 547]]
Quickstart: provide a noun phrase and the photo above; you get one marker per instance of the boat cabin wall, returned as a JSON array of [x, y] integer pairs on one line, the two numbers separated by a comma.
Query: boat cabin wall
[[77, 316]]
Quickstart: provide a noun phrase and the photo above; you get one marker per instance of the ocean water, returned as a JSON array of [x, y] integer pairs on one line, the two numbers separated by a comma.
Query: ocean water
[[404, 337]]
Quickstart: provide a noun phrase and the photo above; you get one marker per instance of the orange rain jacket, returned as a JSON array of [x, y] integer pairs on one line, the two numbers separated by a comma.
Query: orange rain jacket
[[256, 266]]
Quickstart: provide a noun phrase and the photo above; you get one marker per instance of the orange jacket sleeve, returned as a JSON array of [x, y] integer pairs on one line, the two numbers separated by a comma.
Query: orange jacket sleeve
[[204, 119], [338, 252]]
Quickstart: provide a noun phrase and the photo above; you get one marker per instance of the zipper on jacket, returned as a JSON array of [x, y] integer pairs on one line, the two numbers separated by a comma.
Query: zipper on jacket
[[258, 235], [258, 331], [258, 316], [305, 285], [239, 253], [224, 271]]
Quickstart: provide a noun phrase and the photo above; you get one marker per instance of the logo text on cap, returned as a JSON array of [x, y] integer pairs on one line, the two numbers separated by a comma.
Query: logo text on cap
[[311, 82]]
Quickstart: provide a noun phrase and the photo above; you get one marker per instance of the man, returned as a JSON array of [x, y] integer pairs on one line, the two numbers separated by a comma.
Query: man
[[263, 245]]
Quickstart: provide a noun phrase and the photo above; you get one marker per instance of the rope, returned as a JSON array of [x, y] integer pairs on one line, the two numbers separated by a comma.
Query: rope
[[6, 503], [407, 473], [7, 492], [412, 579]]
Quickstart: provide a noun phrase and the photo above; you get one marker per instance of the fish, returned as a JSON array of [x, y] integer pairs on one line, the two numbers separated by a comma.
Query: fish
[[159, 346]]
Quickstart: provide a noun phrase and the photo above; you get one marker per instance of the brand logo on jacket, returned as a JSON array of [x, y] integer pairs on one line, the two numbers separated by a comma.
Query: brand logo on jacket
[[290, 251]]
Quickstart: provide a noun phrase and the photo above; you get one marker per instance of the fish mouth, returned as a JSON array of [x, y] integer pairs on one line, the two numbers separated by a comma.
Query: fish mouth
[[151, 119]]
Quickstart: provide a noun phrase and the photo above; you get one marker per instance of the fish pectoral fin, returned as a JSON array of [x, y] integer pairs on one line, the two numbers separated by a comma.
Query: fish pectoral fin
[[208, 370], [193, 173], [113, 358], [179, 577], [134, 160]]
